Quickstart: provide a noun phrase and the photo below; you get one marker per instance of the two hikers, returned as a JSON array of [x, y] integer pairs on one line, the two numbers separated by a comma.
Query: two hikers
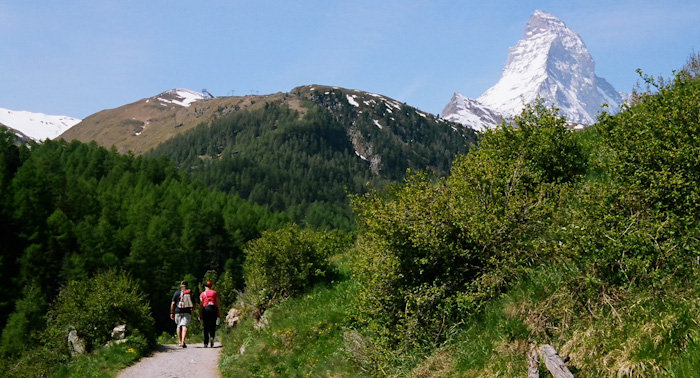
[[209, 313], [181, 308]]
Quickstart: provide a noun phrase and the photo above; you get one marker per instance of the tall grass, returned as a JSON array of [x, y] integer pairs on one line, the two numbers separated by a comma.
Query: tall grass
[[627, 333]]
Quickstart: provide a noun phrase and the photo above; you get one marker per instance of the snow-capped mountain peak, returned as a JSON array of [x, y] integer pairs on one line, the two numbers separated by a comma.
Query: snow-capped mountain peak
[[542, 22], [553, 64], [37, 126]]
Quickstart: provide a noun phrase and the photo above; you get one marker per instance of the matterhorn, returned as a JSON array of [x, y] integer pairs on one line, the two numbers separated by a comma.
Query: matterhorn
[[552, 64]]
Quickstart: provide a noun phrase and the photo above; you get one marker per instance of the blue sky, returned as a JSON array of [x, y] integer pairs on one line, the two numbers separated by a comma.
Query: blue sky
[[77, 57]]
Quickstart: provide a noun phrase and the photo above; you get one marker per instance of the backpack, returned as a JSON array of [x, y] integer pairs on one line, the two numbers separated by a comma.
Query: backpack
[[185, 299], [208, 301]]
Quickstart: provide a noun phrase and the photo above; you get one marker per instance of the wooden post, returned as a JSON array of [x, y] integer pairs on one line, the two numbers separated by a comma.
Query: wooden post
[[532, 362], [554, 363]]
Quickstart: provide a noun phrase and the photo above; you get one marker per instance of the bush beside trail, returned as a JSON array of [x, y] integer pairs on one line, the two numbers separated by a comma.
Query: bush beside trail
[[287, 262]]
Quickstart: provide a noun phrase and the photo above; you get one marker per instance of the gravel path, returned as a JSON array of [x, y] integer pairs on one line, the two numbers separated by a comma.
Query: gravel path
[[169, 361]]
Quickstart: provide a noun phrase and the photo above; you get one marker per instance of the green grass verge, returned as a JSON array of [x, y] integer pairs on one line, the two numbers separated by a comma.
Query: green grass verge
[[637, 332], [105, 362], [303, 338]]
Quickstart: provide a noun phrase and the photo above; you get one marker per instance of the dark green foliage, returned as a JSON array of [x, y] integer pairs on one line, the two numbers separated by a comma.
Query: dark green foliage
[[93, 308], [272, 157], [12, 156], [82, 208], [70, 210], [25, 324]]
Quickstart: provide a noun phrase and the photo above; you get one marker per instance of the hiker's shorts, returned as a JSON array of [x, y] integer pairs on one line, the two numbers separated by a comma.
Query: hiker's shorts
[[183, 320]]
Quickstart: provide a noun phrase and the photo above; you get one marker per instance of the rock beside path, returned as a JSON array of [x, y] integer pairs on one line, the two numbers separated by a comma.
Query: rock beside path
[[170, 361]]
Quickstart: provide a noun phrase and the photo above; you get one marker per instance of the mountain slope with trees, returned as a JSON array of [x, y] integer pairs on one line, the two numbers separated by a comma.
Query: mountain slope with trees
[[304, 160], [79, 215]]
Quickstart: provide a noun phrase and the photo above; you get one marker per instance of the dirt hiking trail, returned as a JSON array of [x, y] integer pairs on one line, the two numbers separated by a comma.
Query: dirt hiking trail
[[170, 361]]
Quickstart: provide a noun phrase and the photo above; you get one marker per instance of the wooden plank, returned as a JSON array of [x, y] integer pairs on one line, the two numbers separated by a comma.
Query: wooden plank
[[533, 362], [554, 363]]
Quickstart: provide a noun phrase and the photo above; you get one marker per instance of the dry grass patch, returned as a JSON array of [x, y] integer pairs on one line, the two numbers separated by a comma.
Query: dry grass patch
[[439, 365]]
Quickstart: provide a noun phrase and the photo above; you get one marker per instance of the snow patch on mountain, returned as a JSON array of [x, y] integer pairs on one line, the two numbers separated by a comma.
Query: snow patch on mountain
[[351, 100], [37, 126], [181, 97]]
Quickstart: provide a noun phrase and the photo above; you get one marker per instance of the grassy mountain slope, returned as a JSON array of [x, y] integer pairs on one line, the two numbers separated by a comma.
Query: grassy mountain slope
[[140, 126]]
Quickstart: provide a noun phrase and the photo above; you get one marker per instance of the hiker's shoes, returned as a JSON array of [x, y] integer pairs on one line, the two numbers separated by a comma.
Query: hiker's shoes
[[184, 345], [205, 345], [211, 343]]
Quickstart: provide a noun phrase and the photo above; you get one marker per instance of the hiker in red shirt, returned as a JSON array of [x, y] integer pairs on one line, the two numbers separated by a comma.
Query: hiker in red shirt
[[209, 313]]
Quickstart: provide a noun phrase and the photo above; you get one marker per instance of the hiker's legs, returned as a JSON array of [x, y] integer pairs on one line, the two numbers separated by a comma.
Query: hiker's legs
[[209, 323], [183, 321], [205, 325], [212, 327], [184, 334]]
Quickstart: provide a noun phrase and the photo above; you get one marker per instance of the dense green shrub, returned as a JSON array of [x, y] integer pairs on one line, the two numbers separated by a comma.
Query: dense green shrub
[[638, 223], [285, 262], [93, 307], [540, 144], [653, 148]]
